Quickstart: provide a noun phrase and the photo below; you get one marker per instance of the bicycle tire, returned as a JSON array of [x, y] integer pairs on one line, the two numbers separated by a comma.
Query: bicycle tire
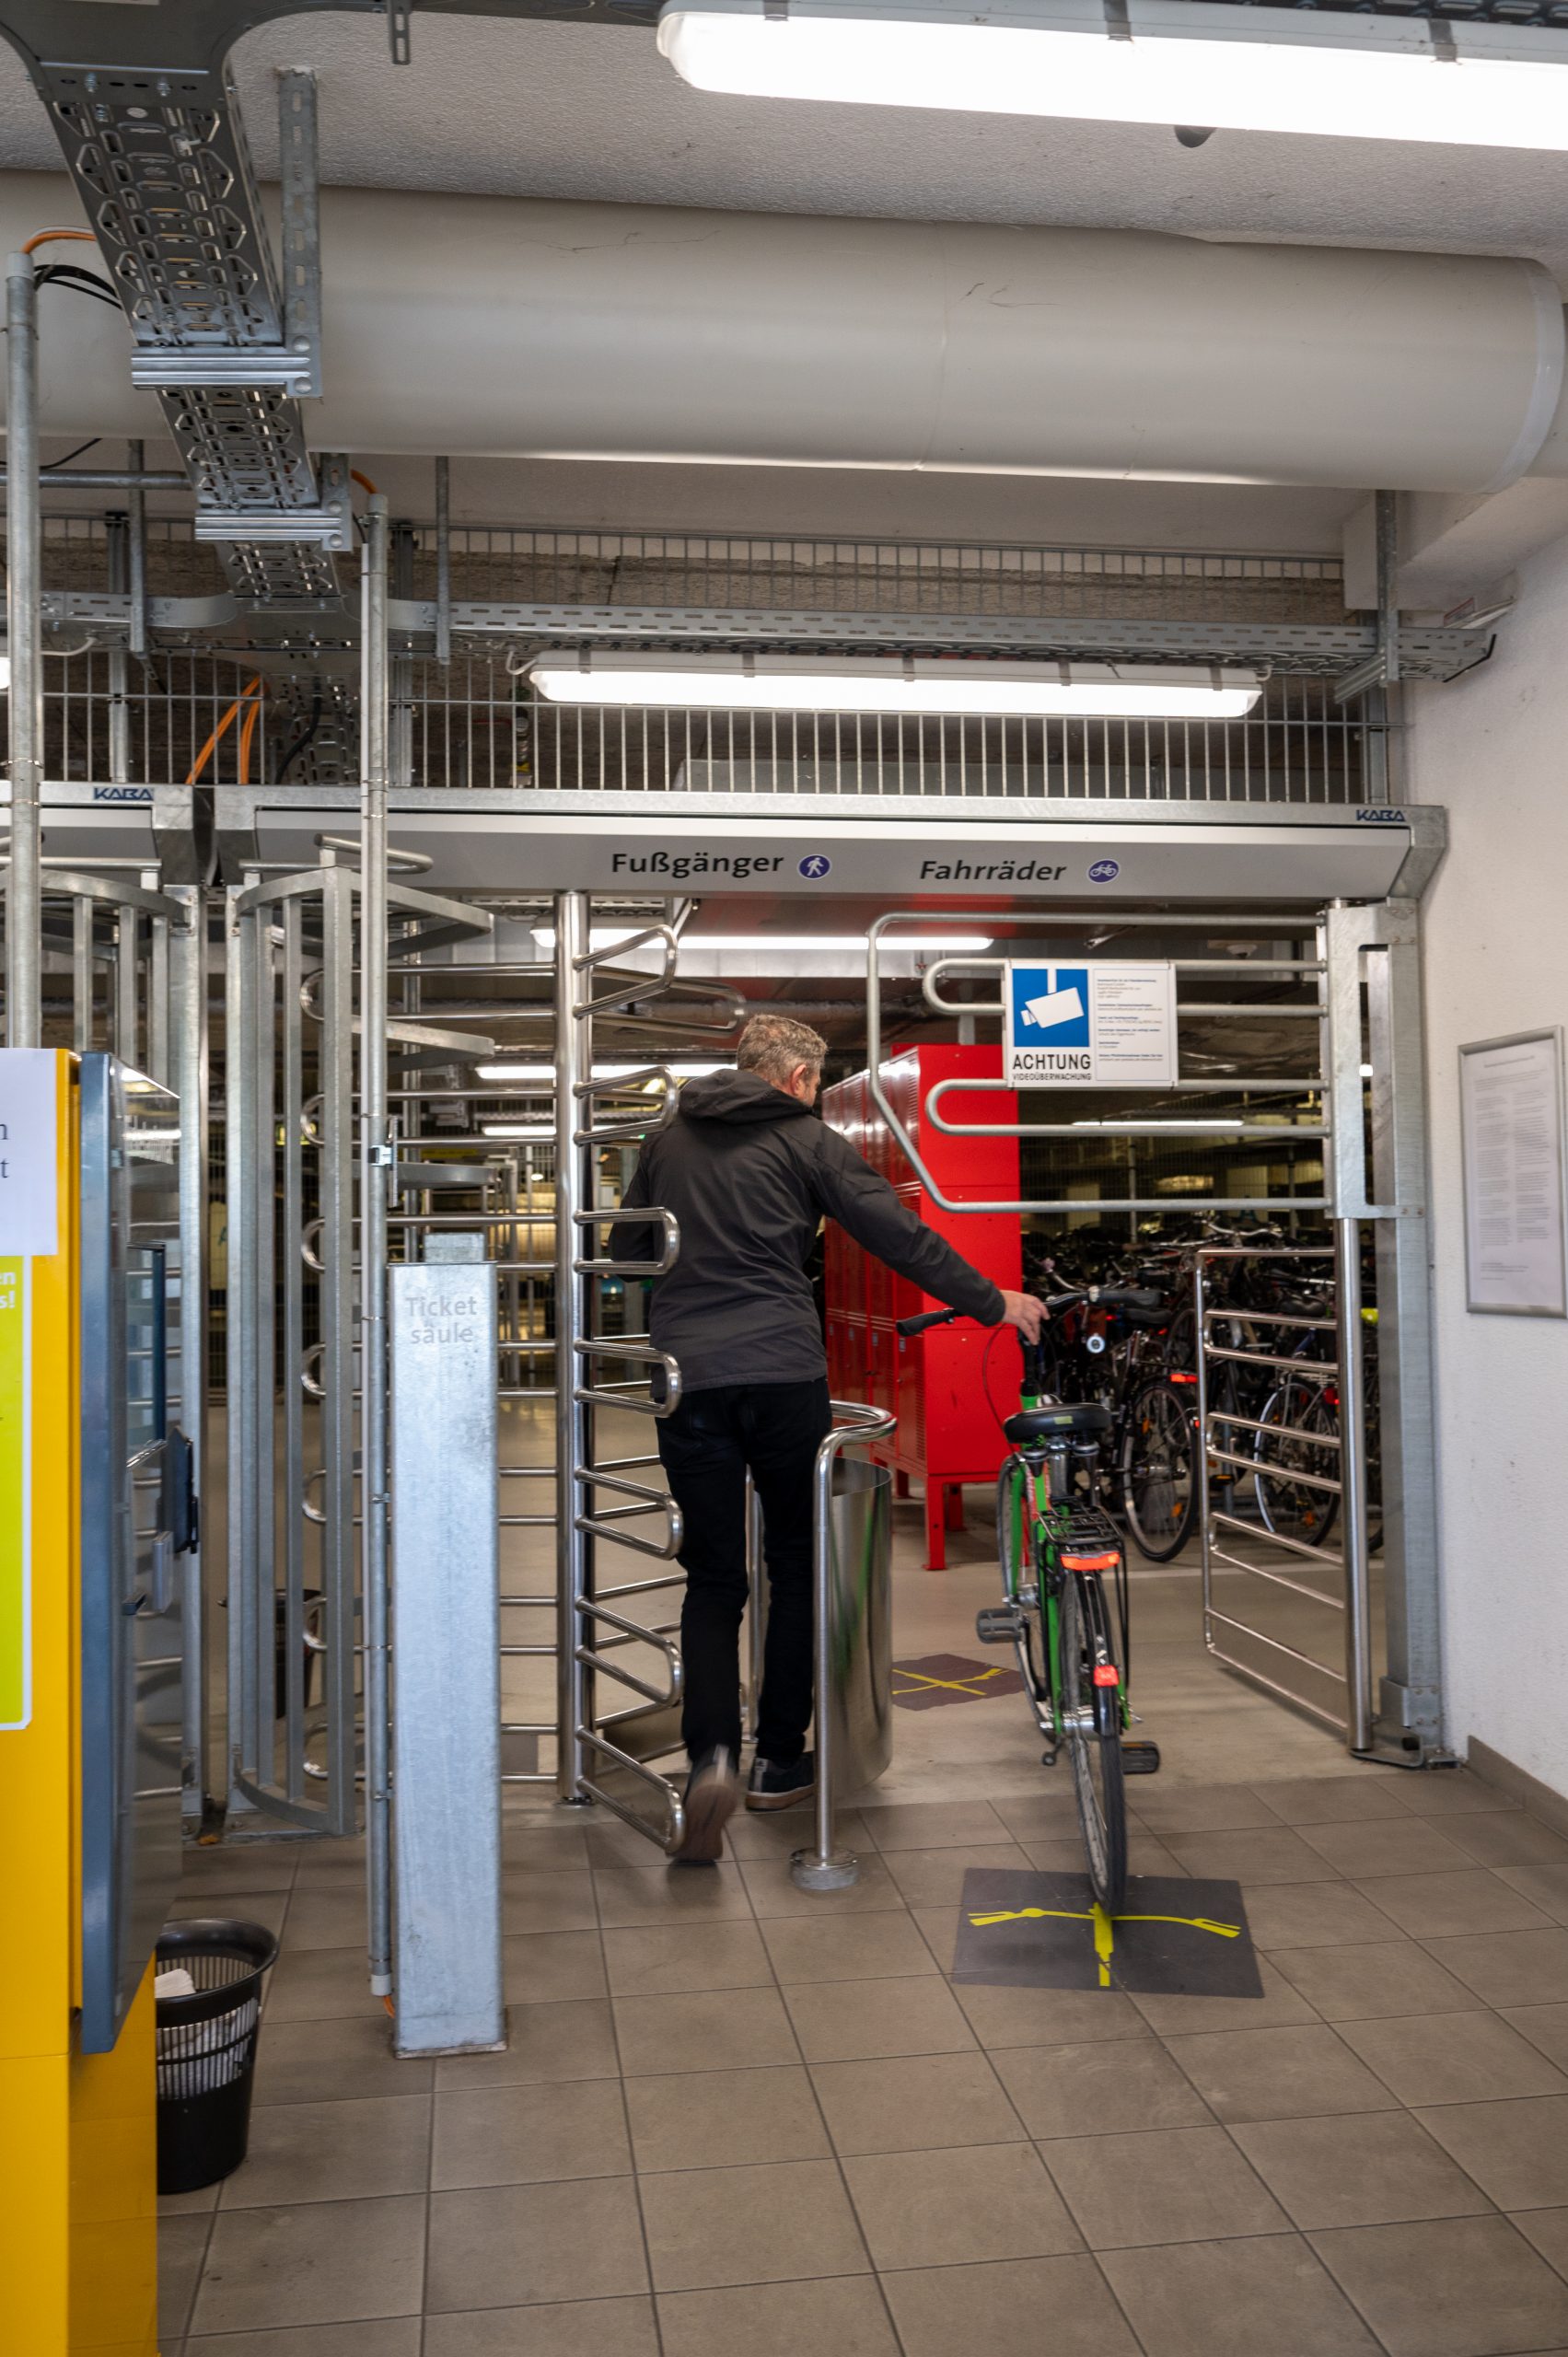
[[1083, 1638], [1180, 1351], [1298, 1511], [1159, 1450]]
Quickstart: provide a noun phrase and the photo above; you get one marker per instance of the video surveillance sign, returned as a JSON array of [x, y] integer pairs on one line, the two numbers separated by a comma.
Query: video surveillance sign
[[1102, 1024]]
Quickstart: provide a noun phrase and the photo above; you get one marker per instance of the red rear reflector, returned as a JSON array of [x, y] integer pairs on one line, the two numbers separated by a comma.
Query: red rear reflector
[[1181, 1378], [1107, 1674], [1090, 1563]]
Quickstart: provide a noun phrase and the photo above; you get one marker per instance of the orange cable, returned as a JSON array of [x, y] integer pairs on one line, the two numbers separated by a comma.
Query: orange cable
[[246, 732], [45, 237], [363, 480], [204, 756]]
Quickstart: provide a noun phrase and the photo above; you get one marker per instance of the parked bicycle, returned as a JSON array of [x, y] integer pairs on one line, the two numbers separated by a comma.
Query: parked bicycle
[[1111, 1345], [1071, 1638]]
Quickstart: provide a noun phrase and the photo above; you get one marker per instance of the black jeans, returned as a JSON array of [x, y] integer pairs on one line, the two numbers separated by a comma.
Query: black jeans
[[707, 1445]]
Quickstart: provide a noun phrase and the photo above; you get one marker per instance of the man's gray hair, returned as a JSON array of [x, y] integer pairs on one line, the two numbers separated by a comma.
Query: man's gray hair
[[773, 1045]]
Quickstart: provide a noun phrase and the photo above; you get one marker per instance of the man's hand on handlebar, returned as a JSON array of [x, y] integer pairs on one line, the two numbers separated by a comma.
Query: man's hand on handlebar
[[1023, 1311]]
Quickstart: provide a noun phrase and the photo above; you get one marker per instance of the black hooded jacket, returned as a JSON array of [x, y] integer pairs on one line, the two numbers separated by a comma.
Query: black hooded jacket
[[748, 1172]]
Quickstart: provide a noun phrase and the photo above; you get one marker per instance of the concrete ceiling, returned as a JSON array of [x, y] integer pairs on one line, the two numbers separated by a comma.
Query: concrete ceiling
[[571, 110], [552, 110]]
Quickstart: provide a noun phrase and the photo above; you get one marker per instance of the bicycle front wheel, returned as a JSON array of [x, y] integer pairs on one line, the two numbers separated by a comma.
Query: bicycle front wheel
[[1159, 1483], [1092, 1726]]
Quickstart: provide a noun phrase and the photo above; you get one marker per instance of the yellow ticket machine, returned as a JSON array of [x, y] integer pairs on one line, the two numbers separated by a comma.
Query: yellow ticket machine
[[90, 1677]]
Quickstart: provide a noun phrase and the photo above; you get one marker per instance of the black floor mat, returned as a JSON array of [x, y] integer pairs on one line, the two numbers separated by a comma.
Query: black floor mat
[[1039, 1931]]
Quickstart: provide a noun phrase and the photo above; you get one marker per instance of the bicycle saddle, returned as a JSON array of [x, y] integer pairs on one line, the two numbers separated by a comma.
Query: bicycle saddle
[[1080, 1419]]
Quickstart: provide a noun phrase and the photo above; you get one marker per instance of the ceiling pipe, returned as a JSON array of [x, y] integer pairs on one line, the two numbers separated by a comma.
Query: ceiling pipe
[[511, 328]]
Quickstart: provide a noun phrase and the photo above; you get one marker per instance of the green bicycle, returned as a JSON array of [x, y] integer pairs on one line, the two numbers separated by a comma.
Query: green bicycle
[[1069, 1633]]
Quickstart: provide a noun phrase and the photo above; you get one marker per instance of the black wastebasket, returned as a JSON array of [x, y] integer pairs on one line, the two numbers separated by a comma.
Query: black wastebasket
[[206, 2049]]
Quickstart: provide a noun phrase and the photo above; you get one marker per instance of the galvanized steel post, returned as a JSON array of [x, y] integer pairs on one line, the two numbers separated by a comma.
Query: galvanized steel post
[[374, 1164], [573, 1037], [187, 1026], [1352, 1480], [23, 905]]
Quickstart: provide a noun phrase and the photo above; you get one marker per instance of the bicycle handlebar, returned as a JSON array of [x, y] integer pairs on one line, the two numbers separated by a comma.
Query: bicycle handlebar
[[1102, 1297], [929, 1318]]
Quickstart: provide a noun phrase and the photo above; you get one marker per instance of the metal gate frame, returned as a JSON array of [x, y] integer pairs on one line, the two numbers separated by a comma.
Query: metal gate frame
[[1350, 1559], [269, 982], [1368, 1011]]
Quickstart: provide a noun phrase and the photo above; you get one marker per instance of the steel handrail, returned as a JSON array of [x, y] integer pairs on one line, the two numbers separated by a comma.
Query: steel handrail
[[635, 986], [659, 1268], [1317, 1370], [1261, 1465], [1273, 1317], [639, 1355], [1250, 1425], [1276, 1132], [594, 1740]]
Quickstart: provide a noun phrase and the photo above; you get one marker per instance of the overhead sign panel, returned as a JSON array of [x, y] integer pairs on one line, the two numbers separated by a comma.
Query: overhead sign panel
[[1100, 1023]]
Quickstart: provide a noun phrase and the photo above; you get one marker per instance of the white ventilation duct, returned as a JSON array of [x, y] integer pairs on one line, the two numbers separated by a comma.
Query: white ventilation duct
[[505, 328]]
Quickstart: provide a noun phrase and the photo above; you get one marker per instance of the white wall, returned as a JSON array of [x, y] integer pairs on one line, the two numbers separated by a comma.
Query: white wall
[[1494, 749]]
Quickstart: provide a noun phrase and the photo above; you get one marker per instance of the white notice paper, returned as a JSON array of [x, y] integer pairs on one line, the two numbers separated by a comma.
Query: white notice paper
[[1511, 1112], [29, 1214], [1102, 1023]]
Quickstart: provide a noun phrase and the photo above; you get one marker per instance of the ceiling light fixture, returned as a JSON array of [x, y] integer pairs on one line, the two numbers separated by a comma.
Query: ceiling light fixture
[[544, 1074], [965, 688], [955, 945], [1189, 62]]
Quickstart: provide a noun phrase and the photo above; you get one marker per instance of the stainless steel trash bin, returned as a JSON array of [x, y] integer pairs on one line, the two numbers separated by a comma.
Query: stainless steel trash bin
[[860, 1623]]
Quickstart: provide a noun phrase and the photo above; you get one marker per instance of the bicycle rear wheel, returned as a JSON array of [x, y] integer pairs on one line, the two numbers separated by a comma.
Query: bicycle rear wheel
[[1093, 1731], [1159, 1479], [1296, 1508]]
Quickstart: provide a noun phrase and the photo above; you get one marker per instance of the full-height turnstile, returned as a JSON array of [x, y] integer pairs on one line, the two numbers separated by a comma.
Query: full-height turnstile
[[606, 1621]]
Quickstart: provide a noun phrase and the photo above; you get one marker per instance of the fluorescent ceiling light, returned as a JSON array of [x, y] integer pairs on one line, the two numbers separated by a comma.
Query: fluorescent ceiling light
[[544, 1074], [1268, 68], [536, 1133], [797, 944], [965, 688]]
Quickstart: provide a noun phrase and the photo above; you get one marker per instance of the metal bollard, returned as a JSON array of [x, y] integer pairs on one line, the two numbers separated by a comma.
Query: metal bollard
[[824, 1867]]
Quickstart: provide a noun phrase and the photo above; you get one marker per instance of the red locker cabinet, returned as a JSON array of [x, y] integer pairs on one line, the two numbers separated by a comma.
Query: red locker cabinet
[[950, 1432]]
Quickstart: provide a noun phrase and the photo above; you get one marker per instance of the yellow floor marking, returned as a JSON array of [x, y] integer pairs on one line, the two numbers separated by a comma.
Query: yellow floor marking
[[1104, 1926], [948, 1685]]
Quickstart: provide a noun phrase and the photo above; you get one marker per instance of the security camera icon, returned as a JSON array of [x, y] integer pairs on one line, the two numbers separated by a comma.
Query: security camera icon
[[1052, 1009]]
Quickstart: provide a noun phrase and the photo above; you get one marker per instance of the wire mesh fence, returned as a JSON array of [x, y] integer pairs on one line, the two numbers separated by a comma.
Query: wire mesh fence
[[916, 577], [201, 711]]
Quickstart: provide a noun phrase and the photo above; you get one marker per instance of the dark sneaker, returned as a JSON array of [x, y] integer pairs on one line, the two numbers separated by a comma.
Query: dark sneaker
[[773, 1786], [712, 1789]]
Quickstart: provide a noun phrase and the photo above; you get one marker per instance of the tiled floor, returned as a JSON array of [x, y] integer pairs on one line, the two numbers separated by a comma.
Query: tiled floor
[[738, 2117], [735, 2116]]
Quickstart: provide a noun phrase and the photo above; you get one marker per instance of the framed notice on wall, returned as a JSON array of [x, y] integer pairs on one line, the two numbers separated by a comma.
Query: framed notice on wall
[[1516, 1222]]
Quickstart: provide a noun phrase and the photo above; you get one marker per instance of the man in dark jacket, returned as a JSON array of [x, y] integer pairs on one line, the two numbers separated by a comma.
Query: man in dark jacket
[[748, 1172]]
